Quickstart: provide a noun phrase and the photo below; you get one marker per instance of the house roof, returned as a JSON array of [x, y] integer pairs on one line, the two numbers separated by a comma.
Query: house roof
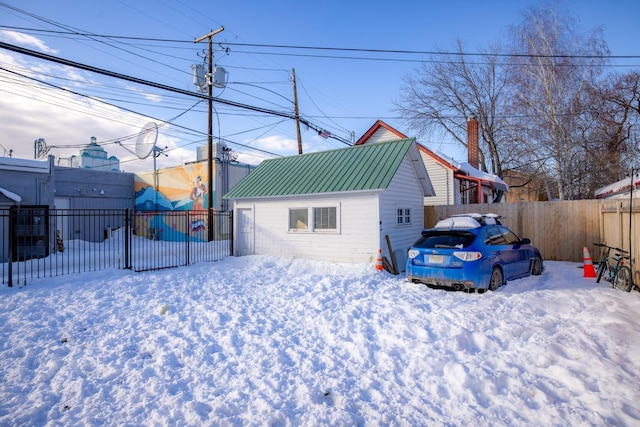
[[493, 180], [375, 128], [380, 131], [357, 168], [619, 189]]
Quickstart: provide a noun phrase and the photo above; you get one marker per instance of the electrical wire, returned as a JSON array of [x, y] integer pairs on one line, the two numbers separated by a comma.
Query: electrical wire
[[319, 109], [163, 122], [340, 49], [90, 36], [97, 70]]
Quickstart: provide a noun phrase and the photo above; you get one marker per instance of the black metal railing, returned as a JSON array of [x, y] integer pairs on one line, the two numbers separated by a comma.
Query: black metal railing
[[43, 242]]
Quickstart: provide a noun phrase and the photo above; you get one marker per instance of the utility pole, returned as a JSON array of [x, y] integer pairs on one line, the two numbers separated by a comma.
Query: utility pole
[[210, 127], [295, 110], [633, 184]]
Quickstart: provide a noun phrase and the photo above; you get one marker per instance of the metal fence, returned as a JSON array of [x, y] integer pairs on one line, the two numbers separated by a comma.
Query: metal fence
[[43, 242]]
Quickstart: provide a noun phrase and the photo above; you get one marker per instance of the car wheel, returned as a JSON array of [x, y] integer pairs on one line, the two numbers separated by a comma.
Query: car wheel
[[536, 266], [496, 279]]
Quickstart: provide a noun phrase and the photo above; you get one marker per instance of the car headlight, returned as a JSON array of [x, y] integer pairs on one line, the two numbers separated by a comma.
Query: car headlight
[[467, 255], [413, 253]]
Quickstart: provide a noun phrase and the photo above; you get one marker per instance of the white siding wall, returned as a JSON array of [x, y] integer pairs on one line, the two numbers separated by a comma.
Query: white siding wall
[[382, 135], [442, 180], [356, 240], [403, 192]]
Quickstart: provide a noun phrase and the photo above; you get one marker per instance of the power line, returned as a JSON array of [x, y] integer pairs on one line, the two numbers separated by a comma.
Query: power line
[[165, 122], [91, 36], [427, 52], [102, 71], [335, 48]]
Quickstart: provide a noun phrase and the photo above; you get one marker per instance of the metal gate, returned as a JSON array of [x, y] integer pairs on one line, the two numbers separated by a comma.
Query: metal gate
[[164, 239]]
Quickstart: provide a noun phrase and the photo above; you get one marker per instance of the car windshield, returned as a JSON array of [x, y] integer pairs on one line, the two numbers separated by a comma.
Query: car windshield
[[452, 239]]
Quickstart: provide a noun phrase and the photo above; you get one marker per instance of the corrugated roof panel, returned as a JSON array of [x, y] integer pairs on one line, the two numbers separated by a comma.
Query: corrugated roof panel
[[320, 176], [343, 172], [380, 162], [363, 167]]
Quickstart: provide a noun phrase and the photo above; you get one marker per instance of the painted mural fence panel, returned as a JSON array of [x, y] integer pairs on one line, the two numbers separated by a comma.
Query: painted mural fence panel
[[41, 242]]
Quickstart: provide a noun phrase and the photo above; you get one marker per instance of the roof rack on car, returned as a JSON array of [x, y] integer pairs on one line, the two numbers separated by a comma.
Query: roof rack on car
[[456, 221]]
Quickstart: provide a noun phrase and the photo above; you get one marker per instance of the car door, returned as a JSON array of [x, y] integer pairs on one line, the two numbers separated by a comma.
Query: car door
[[502, 251], [519, 253]]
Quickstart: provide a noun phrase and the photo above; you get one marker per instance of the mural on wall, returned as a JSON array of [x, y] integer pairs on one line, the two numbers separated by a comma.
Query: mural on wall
[[180, 189]]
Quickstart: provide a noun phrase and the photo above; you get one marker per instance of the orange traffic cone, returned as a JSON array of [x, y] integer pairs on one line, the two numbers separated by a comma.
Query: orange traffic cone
[[589, 271], [379, 261]]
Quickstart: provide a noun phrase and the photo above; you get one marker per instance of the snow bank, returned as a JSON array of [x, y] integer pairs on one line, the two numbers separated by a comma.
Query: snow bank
[[271, 341]]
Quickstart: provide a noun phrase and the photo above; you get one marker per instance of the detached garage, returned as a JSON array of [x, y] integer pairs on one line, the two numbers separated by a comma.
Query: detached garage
[[333, 205]]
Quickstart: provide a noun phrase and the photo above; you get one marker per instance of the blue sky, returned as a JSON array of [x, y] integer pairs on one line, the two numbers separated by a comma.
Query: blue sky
[[342, 95]]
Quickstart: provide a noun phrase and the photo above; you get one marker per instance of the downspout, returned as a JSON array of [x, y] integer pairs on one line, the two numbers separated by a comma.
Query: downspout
[[52, 178], [450, 189]]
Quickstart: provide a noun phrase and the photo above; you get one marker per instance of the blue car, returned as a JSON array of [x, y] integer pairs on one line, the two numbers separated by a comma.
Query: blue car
[[471, 252]]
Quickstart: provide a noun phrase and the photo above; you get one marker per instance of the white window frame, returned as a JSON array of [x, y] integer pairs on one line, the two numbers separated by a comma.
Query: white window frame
[[403, 216], [298, 230], [326, 230], [311, 219]]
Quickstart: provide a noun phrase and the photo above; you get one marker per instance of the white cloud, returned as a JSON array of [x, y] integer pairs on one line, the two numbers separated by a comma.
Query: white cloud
[[30, 111], [275, 143], [25, 39], [270, 144], [152, 97], [283, 146], [250, 159]]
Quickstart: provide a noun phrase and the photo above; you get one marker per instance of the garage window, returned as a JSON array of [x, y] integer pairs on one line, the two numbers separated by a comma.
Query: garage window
[[324, 218], [299, 219], [403, 216], [321, 219]]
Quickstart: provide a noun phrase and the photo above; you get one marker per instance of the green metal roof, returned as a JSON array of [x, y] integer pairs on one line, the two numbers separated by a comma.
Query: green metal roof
[[363, 167]]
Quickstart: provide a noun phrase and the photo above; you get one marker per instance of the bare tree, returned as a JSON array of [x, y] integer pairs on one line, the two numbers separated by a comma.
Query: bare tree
[[610, 128], [554, 67], [546, 112], [449, 88]]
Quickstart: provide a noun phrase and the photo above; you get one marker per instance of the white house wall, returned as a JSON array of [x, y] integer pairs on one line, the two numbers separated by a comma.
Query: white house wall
[[442, 180], [355, 241], [403, 192], [382, 135]]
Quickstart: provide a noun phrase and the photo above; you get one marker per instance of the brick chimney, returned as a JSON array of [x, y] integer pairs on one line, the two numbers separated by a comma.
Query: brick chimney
[[473, 147]]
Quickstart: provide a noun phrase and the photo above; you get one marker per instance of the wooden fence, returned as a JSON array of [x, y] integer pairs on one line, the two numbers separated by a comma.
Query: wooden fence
[[562, 229]]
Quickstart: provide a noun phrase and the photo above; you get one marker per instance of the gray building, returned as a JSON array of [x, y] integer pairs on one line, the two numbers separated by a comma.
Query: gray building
[[39, 183]]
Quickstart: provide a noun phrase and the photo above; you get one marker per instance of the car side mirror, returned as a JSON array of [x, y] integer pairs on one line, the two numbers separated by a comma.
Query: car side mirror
[[525, 241]]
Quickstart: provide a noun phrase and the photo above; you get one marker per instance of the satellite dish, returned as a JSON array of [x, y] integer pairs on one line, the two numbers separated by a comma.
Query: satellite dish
[[146, 140]]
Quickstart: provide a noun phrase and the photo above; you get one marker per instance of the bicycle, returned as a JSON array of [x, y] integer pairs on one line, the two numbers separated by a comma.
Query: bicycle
[[618, 274]]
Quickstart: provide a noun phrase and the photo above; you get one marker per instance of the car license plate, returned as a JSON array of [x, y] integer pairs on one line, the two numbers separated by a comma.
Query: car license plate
[[436, 259]]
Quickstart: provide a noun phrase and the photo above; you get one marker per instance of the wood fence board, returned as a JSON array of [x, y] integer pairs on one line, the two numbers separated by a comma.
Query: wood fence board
[[561, 229]]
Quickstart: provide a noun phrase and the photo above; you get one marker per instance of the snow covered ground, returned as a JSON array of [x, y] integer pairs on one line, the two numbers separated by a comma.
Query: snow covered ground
[[273, 341]]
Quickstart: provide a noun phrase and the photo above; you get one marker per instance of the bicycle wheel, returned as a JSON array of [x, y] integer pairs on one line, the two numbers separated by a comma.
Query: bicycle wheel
[[602, 267], [623, 279]]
